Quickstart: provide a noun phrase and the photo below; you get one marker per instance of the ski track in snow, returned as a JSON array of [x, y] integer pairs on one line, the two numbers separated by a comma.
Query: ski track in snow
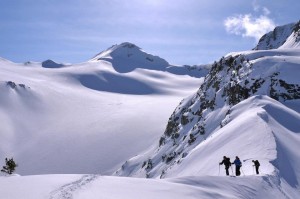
[[66, 191]]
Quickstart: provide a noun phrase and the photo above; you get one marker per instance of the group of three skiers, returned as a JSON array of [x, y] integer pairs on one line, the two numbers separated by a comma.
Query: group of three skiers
[[238, 165]]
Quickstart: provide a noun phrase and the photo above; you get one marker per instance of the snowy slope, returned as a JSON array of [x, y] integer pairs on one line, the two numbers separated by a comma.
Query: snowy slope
[[233, 114], [286, 36], [248, 105], [96, 186], [231, 80], [79, 118]]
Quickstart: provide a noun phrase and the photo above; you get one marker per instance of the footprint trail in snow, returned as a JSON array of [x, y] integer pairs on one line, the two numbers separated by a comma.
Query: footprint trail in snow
[[66, 191]]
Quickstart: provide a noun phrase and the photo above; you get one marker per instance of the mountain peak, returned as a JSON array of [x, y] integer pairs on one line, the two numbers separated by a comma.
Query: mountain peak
[[126, 57], [128, 45], [51, 64], [286, 36]]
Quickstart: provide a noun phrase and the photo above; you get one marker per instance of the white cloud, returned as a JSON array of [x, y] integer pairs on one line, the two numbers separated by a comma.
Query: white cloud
[[250, 26]]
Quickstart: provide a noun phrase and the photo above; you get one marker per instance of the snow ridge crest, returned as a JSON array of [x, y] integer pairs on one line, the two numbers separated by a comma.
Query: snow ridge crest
[[286, 36], [231, 80]]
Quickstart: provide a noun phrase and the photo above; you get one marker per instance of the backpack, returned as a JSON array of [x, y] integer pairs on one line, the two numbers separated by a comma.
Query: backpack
[[257, 163], [227, 162], [238, 162]]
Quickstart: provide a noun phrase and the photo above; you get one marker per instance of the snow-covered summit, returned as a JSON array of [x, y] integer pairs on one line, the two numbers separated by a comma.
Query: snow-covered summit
[[286, 36], [126, 57]]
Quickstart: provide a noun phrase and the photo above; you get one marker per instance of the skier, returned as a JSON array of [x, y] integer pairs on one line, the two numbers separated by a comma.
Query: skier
[[227, 163], [238, 166], [256, 164]]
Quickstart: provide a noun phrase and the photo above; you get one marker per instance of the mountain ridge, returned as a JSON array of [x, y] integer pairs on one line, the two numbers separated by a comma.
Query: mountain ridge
[[240, 110], [286, 36], [127, 57], [231, 80]]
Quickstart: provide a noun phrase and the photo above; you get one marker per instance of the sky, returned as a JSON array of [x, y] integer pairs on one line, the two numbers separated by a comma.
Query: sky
[[182, 31]]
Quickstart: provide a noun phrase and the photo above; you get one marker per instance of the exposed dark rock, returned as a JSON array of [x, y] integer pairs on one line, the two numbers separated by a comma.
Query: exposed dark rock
[[51, 64], [13, 85]]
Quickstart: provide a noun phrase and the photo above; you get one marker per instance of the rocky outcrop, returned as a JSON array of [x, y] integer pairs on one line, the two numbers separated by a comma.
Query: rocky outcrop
[[14, 85]]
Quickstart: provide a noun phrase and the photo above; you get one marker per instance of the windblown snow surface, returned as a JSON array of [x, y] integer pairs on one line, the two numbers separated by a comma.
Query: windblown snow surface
[[85, 118], [261, 128], [88, 118]]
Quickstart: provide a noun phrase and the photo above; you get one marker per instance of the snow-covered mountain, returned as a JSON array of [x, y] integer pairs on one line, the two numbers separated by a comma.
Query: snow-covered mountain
[[126, 57], [79, 118], [92, 116], [233, 79], [286, 36], [247, 106]]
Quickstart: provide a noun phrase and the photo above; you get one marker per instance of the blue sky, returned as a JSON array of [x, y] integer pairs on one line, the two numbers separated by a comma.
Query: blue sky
[[180, 31]]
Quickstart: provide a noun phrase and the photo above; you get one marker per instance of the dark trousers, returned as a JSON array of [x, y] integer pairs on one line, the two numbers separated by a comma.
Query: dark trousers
[[237, 170], [257, 169], [227, 170]]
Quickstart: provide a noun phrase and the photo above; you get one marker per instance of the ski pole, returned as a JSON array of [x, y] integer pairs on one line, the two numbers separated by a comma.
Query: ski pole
[[242, 171], [253, 169], [219, 170]]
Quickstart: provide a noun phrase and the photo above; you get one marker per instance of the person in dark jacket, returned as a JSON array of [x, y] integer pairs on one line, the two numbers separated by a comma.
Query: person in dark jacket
[[238, 165], [256, 165], [227, 164]]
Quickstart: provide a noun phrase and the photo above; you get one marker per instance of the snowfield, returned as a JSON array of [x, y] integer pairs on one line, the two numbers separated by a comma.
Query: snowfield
[[100, 129], [109, 187], [83, 118]]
